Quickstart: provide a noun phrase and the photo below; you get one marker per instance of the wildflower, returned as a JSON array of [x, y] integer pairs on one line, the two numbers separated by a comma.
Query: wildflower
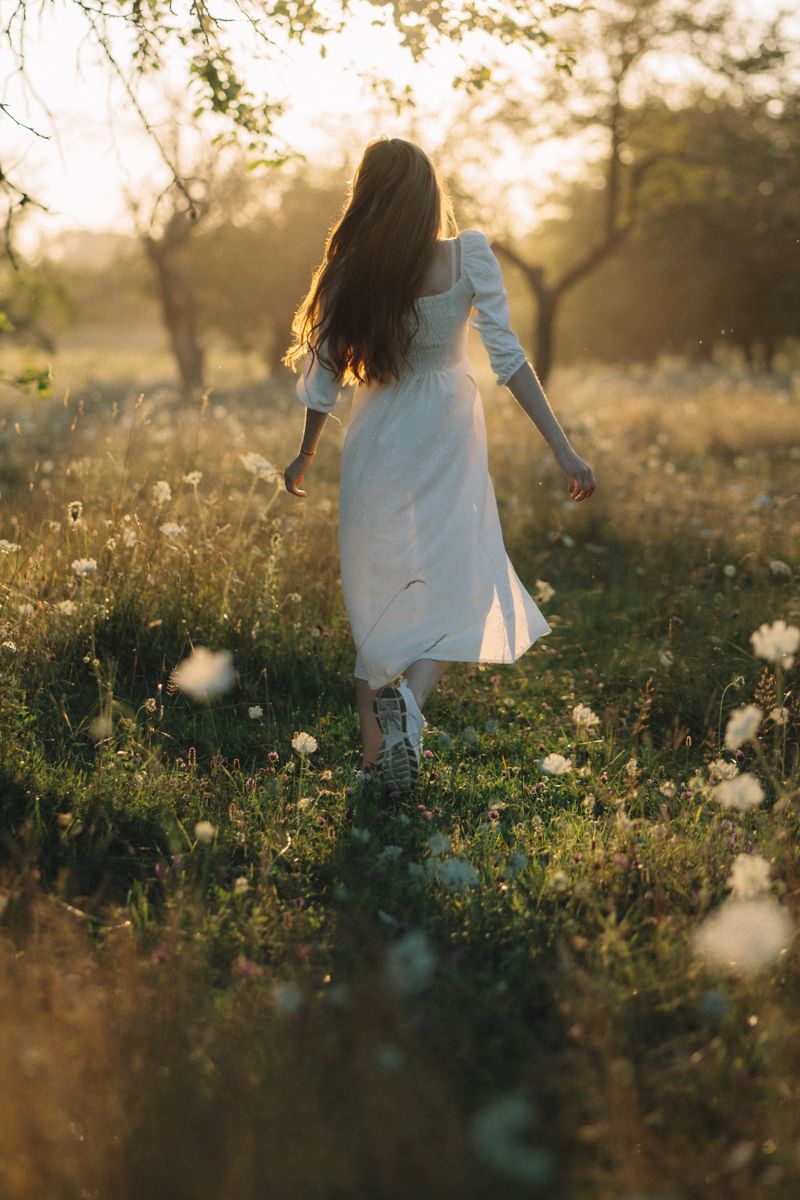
[[26, 610], [162, 492], [497, 1133], [257, 465], [742, 792], [304, 743], [744, 935], [583, 715], [555, 764], [438, 843], [632, 767], [294, 598], [150, 705], [742, 725], [729, 569], [84, 566], [585, 771], [129, 538], [749, 876], [544, 591], [204, 831], [558, 881], [410, 963], [193, 478], [491, 726], [9, 646], [454, 873], [667, 788], [67, 607], [778, 567], [666, 658], [204, 674], [172, 529], [776, 642], [567, 540], [255, 712], [779, 714], [7, 547], [721, 768], [286, 996]]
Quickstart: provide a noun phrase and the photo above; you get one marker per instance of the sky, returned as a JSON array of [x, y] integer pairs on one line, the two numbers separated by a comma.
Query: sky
[[96, 146]]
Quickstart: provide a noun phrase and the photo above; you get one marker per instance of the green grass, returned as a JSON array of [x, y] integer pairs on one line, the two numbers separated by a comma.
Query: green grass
[[168, 1032]]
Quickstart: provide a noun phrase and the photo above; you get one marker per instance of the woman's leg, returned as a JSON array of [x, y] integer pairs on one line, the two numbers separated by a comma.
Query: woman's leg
[[423, 675], [371, 735]]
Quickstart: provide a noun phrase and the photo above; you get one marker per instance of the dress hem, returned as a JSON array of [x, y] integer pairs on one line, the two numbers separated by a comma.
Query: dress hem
[[505, 662]]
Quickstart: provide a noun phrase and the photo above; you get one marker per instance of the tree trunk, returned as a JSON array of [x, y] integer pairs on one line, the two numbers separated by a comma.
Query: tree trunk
[[544, 333], [178, 311]]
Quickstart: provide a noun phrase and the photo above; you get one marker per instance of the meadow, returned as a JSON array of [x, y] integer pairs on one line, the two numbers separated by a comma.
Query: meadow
[[230, 969]]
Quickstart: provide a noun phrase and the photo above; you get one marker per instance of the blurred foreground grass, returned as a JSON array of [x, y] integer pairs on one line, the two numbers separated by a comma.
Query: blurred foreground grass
[[228, 970]]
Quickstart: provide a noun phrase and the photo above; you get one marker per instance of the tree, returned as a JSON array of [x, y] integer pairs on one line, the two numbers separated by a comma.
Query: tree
[[606, 100]]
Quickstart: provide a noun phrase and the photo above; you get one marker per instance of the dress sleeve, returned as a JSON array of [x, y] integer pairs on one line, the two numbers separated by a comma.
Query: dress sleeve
[[317, 387], [490, 303]]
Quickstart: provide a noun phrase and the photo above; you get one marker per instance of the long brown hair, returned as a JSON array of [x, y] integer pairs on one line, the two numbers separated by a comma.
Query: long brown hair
[[362, 299]]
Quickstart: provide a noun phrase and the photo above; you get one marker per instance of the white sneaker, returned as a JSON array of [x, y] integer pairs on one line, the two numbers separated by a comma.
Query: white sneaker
[[402, 725]]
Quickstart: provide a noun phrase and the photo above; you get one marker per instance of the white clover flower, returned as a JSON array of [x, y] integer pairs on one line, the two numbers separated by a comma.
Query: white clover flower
[[67, 607], [555, 764], [255, 712], [439, 843], [544, 591], [204, 831], [84, 566], [742, 725], [304, 743], [193, 478], [172, 529], [582, 714], [776, 642], [410, 963], [162, 492], [744, 936], [666, 658], [205, 674], [778, 567], [453, 873], [742, 792], [498, 1134], [729, 569], [749, 876], [7, 547], [257, 465], [721, 768]]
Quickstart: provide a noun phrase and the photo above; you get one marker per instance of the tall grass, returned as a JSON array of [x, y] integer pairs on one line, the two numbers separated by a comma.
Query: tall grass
[[300, 1001]]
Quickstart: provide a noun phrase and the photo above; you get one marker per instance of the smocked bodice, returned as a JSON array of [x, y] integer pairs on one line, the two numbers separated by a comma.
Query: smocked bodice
[[440, 340]]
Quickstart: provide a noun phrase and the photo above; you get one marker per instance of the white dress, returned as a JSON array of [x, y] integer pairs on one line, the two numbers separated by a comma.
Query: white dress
[[424, 569]]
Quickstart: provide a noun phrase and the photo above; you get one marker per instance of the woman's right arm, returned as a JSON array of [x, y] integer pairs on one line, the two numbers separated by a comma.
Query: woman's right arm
[[529, 394]]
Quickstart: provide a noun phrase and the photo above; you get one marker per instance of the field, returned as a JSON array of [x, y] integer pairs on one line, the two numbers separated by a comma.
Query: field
[[228, 969]]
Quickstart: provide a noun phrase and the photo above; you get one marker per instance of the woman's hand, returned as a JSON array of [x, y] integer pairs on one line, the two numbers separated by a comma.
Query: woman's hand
[[293, 475], [580, 479]]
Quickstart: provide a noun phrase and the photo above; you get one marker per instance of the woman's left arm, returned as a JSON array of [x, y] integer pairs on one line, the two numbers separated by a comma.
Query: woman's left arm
[[293, 475]]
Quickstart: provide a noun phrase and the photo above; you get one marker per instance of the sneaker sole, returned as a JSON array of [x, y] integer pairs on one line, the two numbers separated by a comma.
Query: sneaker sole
[[397, 759]]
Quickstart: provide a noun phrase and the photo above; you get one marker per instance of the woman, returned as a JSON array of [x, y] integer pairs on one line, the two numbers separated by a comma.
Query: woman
[[426, 579]]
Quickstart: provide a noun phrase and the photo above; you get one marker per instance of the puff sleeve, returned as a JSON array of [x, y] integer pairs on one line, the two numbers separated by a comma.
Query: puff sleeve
[[491, 316], [317, 387]]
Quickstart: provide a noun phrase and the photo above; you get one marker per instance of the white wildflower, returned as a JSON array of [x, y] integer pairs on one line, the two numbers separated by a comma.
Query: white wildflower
[[257, 465], [667, 788], [778, 567], [498, 1132], [558, 881], [742, 792], [742, 725], [172, 529], [304, 743], [776, 642], [9, 646], [744, 935], [162, 492], [721, 768], [582, 714], [410, 963], [632, 767], [241, 885], [7, 547], [544, 591], [204, 674], [294, 598], [729, 569], [74, 511], [439, 843], [84, 566], [779, 714], [193, 478], [204, 831], [150, 704], [453, 873], [26, 610], [255, 712], [129, 537], [666, 658], [555, 764], [67, 607], [749, 876]]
